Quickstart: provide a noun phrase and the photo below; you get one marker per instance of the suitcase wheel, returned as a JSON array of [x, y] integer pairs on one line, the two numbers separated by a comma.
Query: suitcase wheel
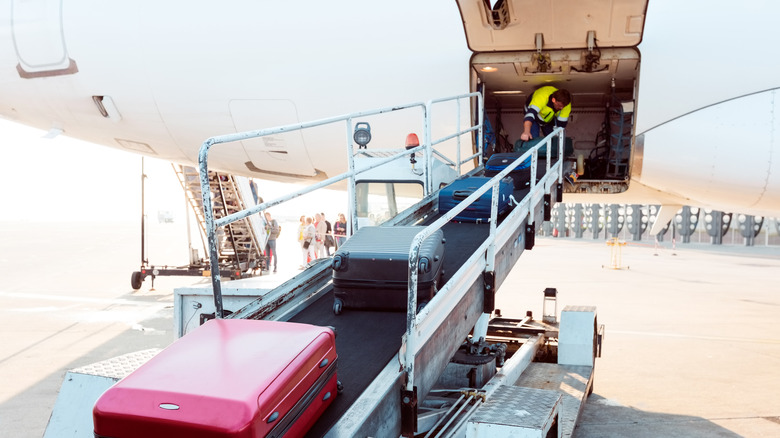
[[338, 306], [339, 386]]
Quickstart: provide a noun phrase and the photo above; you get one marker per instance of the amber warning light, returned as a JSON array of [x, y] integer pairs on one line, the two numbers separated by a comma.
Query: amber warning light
[[412, 141]]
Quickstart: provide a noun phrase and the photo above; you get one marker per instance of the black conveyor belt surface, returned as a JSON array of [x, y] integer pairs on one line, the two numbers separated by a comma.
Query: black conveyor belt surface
[[365, 343], [462, 240]]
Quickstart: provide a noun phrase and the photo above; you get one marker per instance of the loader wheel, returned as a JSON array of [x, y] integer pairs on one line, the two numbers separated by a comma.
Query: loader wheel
[[136, 279]]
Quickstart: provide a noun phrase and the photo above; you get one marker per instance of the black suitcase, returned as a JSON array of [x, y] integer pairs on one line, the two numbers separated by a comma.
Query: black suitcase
[[521, 175], [371, 270], [568, 147], [479, 211]]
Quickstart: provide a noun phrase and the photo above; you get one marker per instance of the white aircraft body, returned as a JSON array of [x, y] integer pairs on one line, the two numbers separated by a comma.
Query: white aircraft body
[[696, 80]]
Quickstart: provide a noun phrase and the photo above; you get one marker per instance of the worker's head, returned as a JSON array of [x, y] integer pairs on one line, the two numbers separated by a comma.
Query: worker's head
[[560, 99]]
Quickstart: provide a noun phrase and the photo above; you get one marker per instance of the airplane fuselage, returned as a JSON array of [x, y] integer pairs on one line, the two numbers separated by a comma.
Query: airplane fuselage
[[160, 78]]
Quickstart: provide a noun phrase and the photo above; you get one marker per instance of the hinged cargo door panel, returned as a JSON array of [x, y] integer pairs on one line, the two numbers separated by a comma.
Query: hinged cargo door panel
[[519, 25]]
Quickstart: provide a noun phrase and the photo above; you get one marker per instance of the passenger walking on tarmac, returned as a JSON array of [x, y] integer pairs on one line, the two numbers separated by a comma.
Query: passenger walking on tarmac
[[301, 227], [328, 235], [548, 107], [301, 230], [273, 229], [321, 228], [340, 230], [308, 243]]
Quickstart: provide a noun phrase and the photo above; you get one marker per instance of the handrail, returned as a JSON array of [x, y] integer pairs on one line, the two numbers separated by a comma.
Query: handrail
[[416, 338], [352, 172], [478, 127]]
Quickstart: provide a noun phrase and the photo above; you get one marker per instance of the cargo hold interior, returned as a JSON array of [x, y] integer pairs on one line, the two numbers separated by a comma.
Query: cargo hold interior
[[602, 82]]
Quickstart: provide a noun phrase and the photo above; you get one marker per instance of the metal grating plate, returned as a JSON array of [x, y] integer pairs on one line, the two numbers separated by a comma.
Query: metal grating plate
[[120, 366], [519, 407], [571, 381]]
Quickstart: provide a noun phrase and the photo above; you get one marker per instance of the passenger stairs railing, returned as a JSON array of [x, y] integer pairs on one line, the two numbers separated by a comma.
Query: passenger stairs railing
[[349, 120]]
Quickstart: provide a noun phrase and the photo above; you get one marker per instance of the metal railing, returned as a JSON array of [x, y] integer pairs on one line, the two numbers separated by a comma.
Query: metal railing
[[421, 327], [426, 148]]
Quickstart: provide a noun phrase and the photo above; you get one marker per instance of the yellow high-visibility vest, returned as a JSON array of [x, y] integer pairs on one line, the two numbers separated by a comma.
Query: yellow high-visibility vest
[[540, 109]]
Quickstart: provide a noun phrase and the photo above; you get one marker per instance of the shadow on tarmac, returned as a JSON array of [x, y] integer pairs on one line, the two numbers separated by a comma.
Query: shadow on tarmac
[[27, 414], [601, 418]]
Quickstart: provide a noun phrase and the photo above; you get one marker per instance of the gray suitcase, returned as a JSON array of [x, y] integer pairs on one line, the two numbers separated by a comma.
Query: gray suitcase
[[370, 271]]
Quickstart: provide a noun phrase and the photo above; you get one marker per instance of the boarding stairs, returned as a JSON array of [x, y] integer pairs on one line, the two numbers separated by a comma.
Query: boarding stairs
[[241, 243]]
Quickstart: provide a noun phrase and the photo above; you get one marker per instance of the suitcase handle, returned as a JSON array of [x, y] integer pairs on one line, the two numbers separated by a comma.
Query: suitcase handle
[[424, 265], [462, 194], [339, 261]]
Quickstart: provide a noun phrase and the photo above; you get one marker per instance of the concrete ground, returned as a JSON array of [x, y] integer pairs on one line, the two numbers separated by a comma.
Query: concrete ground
[[692, 346], [692, 343]]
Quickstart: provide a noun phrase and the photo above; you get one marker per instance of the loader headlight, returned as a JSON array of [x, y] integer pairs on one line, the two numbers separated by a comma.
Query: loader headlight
[[362, 134]]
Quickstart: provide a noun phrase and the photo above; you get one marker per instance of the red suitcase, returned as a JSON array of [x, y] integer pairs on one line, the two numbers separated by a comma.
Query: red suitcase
[[228, 378]]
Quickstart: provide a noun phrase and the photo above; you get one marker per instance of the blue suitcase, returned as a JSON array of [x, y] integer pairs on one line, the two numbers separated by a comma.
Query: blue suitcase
[[479, 211], [521, 175]]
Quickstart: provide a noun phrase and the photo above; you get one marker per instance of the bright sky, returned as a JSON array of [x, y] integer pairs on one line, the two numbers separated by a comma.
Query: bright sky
[[65, 180], [62, 179]]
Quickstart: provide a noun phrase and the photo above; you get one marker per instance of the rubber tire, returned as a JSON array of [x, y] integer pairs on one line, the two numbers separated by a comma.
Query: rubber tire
[[136, 279], [338, 306]]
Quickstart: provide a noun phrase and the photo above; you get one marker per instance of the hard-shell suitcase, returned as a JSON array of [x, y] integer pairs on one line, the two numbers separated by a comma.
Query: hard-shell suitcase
[[227, 378], [479, 210], [371, 270], [521, 175]]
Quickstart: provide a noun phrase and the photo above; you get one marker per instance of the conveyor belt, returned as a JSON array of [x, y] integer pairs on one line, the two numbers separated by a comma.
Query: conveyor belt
[[464, 238], [367, 340]]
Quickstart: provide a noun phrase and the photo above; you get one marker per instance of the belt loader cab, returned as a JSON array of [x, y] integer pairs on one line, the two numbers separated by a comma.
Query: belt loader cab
[[521, 45], [384, 191]]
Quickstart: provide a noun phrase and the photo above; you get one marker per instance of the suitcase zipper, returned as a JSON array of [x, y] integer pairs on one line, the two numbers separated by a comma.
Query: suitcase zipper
[[300, 407]]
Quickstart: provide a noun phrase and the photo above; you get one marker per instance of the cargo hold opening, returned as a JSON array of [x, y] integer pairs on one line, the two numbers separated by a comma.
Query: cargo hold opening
[[603, 84]]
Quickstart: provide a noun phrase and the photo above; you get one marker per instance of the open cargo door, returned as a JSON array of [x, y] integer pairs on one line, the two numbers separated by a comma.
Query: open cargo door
[[586, 47], [517, 25]]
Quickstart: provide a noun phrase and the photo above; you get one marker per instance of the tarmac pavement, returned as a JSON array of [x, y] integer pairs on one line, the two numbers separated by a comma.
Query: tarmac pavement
[[692, 344]]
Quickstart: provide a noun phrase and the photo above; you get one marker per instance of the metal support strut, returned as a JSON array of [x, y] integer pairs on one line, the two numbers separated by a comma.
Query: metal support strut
[[408, 412]]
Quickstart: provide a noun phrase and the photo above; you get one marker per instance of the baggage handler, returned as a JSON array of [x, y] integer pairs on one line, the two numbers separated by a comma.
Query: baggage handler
[[548, 107]]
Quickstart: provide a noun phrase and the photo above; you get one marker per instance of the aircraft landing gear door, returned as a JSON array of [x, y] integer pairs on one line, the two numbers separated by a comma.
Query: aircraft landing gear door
[[380, 201]]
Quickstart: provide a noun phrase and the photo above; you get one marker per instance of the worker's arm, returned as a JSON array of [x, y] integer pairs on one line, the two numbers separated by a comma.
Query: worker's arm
[[526, 135]]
